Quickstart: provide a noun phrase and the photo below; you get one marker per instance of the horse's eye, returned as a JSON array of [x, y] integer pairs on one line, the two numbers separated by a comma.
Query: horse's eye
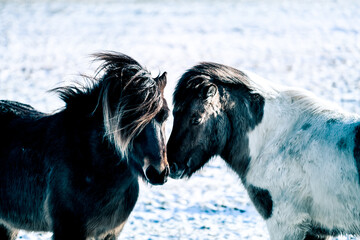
[[195, 121], [162, 116]]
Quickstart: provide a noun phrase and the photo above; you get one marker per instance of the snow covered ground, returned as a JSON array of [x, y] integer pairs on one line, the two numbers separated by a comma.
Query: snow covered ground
[[309, 44]]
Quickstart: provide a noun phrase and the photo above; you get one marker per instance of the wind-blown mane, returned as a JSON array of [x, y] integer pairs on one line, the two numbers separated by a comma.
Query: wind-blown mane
[[208, 72], [126, 92]]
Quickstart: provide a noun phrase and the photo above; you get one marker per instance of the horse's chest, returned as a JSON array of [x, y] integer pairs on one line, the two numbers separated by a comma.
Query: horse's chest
[[111, 209]]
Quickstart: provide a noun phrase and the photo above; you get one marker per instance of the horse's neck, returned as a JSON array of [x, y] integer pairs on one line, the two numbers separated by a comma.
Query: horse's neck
[[289, 121], [296, 116]]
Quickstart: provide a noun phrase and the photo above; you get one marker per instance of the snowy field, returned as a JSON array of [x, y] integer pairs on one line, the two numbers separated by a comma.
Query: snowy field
[[309, 44]]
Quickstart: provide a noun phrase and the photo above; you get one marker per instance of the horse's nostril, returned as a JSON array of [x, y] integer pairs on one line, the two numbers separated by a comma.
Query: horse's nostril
[[151, 171], [166, 171], [173, 168], [155, 177]]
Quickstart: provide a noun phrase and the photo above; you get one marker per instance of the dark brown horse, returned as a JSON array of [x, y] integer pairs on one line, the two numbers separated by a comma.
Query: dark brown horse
[[75, 172]]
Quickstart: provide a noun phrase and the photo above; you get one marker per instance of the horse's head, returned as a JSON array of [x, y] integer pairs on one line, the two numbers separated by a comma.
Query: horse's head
[[149, 147], [134, 112], [200, 125], [215, 106]]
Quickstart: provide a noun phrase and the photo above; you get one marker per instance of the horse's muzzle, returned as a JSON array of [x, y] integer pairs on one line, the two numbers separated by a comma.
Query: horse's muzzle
[[175, 172], [155, 177]]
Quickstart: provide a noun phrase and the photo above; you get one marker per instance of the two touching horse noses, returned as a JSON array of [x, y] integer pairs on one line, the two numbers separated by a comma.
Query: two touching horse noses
[[157, 176]]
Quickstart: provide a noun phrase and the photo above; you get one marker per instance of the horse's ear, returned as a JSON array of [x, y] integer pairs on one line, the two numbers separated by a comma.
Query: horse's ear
[[162, 81], [209, 91]]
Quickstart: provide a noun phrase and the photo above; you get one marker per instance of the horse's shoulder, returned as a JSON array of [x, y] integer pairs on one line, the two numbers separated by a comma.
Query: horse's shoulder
[[17, 109]]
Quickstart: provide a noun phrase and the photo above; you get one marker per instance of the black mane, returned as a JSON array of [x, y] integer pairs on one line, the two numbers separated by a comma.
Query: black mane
[[113, 64], [125, 91], [193, 79]]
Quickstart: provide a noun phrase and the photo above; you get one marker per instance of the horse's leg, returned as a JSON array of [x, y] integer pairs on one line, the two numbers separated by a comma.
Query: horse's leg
[[312, 237], [296, 235], [285, 232], [66, 231], [66, 225], [114, 234], [110, 236], [287, 229], [7, 233]]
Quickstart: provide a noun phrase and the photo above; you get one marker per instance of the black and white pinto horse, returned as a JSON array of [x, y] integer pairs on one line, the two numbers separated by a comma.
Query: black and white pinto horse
[[75, 172], [298, 157]]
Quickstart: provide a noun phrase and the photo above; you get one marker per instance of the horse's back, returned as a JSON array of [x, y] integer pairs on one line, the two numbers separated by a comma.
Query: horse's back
[[15, 116], [12, 109]]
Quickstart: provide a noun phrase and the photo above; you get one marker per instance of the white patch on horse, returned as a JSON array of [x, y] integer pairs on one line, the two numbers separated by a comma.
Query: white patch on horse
[[260, 85], [304, 158]]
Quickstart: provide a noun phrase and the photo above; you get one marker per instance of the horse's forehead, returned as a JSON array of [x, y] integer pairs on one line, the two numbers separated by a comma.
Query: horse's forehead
[[195, 105]]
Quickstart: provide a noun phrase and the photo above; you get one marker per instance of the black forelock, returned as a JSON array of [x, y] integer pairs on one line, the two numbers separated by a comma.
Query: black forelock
[[131, 97]]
